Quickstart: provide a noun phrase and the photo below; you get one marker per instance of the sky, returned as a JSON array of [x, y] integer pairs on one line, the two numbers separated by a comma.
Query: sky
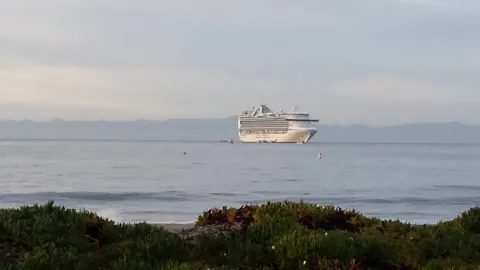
[[376, 62]]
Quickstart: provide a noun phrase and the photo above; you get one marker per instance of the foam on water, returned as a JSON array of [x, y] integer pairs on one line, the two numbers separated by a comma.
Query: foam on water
[[109, 213]]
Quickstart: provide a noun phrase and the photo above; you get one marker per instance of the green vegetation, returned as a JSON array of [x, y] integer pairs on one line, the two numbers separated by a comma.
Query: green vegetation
[[271, 236]]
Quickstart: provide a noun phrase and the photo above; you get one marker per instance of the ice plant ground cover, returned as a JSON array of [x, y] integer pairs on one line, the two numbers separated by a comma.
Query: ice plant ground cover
[[281, 235]]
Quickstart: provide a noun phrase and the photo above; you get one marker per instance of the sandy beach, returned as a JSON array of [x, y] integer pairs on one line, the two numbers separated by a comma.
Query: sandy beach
[[189, 231], [176, 228]]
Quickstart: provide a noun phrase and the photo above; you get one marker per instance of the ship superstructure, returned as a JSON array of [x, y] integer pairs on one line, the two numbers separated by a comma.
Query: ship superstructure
[[262, 124]]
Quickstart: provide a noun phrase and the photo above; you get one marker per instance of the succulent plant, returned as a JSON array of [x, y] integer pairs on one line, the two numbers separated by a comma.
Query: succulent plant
[[279, 235]]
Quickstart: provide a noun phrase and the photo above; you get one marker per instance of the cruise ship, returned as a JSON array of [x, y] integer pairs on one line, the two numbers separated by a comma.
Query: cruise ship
[[264, 125]]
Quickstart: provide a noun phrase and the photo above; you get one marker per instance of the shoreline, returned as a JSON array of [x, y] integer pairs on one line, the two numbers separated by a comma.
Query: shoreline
[[175, 227]]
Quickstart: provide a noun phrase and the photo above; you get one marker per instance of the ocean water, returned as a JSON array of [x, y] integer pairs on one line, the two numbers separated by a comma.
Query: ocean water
[[131, 181]]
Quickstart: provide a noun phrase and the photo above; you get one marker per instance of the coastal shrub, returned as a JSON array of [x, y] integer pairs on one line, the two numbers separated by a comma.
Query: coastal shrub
[[150, 243], [468, 220], [279, 235], [37, 225], [345, 248], [450, 264], [234, 250], [49, 256]]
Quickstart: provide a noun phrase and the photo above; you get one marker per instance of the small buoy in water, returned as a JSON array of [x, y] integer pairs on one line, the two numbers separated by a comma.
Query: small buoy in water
[[184, 153]]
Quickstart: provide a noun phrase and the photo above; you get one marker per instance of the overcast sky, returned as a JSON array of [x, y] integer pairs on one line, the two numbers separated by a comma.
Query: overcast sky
[[372, 62]]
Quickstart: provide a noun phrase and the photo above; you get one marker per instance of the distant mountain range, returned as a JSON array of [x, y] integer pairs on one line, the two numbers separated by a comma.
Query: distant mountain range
[[220, 129]]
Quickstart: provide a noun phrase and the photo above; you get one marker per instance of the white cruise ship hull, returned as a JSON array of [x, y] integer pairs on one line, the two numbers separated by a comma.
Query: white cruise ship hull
[[291, 136], [263, 125]]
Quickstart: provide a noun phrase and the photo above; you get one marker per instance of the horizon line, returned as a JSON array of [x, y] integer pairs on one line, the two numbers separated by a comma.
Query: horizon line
[[227, 118], [236, 141]]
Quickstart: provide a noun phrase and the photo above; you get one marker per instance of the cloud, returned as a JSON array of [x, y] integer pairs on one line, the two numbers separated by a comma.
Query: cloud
[[450, 5], [384, 100], [156, 93], [159, 59], [395, 89]]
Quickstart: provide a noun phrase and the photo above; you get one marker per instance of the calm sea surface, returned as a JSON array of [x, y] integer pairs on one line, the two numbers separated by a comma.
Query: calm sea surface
[[156, 182]]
